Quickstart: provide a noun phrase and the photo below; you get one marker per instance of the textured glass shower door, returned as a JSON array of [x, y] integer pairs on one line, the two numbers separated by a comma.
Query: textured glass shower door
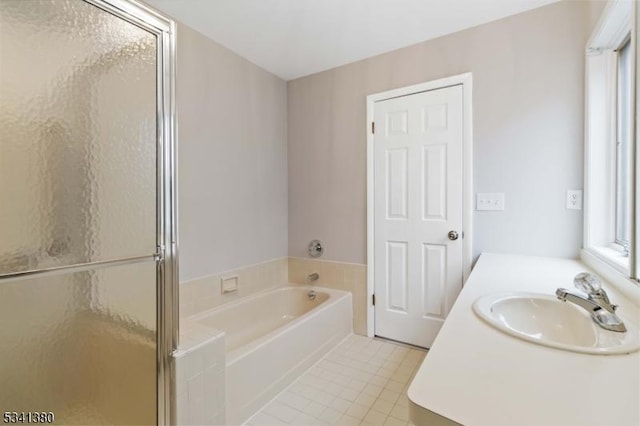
[[81, 213]]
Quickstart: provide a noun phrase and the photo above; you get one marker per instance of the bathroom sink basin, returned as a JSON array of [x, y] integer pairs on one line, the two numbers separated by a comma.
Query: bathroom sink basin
[[544, 320]]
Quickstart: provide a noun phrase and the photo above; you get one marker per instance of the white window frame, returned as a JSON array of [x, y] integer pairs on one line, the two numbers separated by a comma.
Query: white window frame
[[620, 244], [601, 104]]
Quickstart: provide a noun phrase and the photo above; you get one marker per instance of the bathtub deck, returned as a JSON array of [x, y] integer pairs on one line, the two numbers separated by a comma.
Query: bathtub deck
[[361, 381]]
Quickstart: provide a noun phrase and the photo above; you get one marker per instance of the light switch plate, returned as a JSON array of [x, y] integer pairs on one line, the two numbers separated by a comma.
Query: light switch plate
[[490, 201], [574, 199]]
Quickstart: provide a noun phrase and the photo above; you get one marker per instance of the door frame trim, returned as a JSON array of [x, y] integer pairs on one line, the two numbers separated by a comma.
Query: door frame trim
[[466, 80]]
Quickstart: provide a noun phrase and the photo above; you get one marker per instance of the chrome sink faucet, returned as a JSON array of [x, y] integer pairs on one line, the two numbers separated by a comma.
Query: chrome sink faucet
[[596, 302]]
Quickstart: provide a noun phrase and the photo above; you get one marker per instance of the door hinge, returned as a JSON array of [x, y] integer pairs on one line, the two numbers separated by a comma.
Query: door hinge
[[373, 127], [373, 299]]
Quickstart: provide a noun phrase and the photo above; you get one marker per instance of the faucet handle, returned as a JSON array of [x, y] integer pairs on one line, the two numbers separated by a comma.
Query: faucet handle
[[588, 283]]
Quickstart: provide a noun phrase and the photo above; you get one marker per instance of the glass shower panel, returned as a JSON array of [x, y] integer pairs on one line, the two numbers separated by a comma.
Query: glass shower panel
[[81, 345], [77, 135], [78, 184]]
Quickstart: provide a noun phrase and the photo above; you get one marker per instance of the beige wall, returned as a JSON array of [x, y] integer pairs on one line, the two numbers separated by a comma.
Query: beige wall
[[232, 159], [528, 74]]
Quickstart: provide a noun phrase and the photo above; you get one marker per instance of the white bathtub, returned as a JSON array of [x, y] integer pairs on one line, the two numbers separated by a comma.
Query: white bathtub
[[272, 337]]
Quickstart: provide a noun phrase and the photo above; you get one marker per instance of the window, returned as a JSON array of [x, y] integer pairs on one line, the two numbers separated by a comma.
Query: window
[[623, 150], [610, 211]]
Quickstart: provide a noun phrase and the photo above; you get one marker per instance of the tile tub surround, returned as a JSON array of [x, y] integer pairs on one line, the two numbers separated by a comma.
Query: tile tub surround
[[362, 381], [344, 276], [204, 293], [200, 376]]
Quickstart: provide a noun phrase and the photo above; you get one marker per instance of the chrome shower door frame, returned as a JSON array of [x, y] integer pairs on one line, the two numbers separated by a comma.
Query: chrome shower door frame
[[166, 209]]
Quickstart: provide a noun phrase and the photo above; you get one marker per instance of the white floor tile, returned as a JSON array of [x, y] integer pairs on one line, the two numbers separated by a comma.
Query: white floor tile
[[357, 411], [403, 400], [394, 386], [281, 411], [330, 415], [382, 406], [297, 386], [342, 380], [389, 395], [349, 394], [400, 412], [378, 380], [263, 419], [310, 392], [401, 376], [373, 390], [385, 372], [333, 389], [362, 381], [340, 404], [356, 385], [293, 400], [374, 418], [348, 421], [304, 420], [324, 398], [314, 409], [392, 421], [365, 399]]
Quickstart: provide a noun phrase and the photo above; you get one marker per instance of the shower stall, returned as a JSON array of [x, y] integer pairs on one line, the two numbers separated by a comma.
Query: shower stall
[[88, 254]]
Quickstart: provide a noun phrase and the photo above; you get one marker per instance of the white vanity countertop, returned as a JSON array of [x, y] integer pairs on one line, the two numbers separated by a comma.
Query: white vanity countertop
[[476, 375]]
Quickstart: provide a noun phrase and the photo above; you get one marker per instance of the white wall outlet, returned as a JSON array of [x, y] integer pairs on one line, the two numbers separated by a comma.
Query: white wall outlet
[[574, 199], [229, 284], [490, 201]]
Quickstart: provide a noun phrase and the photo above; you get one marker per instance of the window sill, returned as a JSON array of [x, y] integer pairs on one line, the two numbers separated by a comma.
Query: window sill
[[614, 258]]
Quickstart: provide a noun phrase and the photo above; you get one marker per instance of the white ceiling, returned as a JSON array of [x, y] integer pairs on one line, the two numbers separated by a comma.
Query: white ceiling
[[293, 38]]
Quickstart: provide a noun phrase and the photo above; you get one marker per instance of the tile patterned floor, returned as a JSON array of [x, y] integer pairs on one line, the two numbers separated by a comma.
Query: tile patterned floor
[[361, 382]]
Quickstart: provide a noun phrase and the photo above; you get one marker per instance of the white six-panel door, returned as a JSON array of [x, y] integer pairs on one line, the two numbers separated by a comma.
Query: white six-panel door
[[418, 200]]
